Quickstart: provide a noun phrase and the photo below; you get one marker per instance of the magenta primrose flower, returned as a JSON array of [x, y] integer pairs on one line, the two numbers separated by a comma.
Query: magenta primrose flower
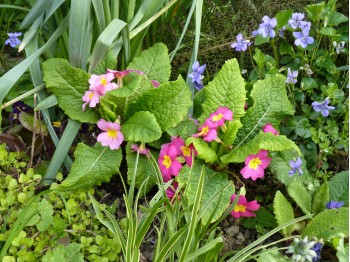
[[112, 136], [170, 191], [207, 132], [141, 149], [168, 163], [255, 165], [268, 128], [218, 118], [243, 207], [183, 150]]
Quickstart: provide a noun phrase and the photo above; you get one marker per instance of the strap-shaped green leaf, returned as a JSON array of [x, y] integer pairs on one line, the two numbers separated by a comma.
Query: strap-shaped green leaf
[[169, 103], [271, 104], [283, 211], [227, 89], [266, 141], [69, 85], [92, 166], [203, 149], [300, 196], [328, 224], [143, 127], [154, 62]]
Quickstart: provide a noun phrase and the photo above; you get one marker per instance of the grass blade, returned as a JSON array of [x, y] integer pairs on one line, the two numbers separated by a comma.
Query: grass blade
[[204, 249], [14, 7], [48, 102], [56, 4], [38, 9]]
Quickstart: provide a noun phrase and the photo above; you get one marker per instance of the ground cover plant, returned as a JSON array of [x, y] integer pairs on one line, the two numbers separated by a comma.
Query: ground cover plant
[[186, 153]]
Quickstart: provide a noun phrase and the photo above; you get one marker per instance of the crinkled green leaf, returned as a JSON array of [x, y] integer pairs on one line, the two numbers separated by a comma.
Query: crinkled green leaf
[[280, 167], [108, 62], [329, 224], [27, 120], [45, 210], [69, 85], [271, 105], [146, 169], [232, 128], [227, 89], [169, 103], [320, 199], [143, 127], [300, 196], [266, 141], [339, 187], [272, 255], [154, 62], [263, 219], [92, 166], [203, 149], [283, 211], [108, 107], [213, 182], [184, 129]]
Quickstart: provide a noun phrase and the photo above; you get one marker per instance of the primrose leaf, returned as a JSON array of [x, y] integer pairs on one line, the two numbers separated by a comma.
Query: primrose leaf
[[284, 213], [69, 85], [203, 149], [227, 89], [108, 62], [329, 224], [300, 196], [339, 187], [92, 166], [271, 105], [169, 103], [146, 169], [217, 190], [320, 199], [266, 141], [143, 127], [232, 128], [184, 129], [154, 62]]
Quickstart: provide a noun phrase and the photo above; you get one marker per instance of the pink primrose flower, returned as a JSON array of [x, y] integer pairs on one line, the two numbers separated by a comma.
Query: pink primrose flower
[[120, 74], [170, 191], [255, 165], [155, 83], [102, 83], [209, 134], [168, 164], [269, 128], [142, 150], [243, 207], [218, 118], [183, 150], [112, 136], [92, 98]]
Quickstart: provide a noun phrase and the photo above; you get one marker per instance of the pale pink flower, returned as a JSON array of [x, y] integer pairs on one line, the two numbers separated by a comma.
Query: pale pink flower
[[243, 207], [142, 150], [112, 136], [183, 150], [168, 164], [218, 118], [255, 165], [90, 97], [209, 134], [269, 128], [120, 74], [102, 83]]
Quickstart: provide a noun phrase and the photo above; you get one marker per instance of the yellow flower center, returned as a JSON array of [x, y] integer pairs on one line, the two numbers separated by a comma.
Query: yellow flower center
[[112, 133], [167, 161], [254, 163], [103, 81], [91, 95], [218, 117], [239, 208], [204, 131], [186, 150]]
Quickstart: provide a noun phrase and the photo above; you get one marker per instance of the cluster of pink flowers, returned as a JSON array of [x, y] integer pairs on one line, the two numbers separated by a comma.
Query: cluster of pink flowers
[[209, 130], [255, 164]]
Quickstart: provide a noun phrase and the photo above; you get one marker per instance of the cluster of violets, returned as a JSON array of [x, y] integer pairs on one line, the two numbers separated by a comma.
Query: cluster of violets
[[197, 75], [13, 40]]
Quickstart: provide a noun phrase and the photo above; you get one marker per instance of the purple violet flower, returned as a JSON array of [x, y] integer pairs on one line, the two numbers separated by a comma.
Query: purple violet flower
[[322, 107], [295, 166], [292, 76], [317, 248], [303, 39], [281, 32], [305, 27], [13, 40], [241, 44], [266, 28], [296, 19], [334, 204], [196, 75], [339, 47]]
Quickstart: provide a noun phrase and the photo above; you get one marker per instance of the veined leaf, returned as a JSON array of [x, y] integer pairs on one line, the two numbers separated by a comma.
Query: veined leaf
[[154, 62], [320, 199], [69, 85], [227, 89], [203, 149], [339, 187], [300, 196], [271, 104], [266, 141], [232, 128], [283, 211], [92, 166], [169, 103], [28, 122]]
